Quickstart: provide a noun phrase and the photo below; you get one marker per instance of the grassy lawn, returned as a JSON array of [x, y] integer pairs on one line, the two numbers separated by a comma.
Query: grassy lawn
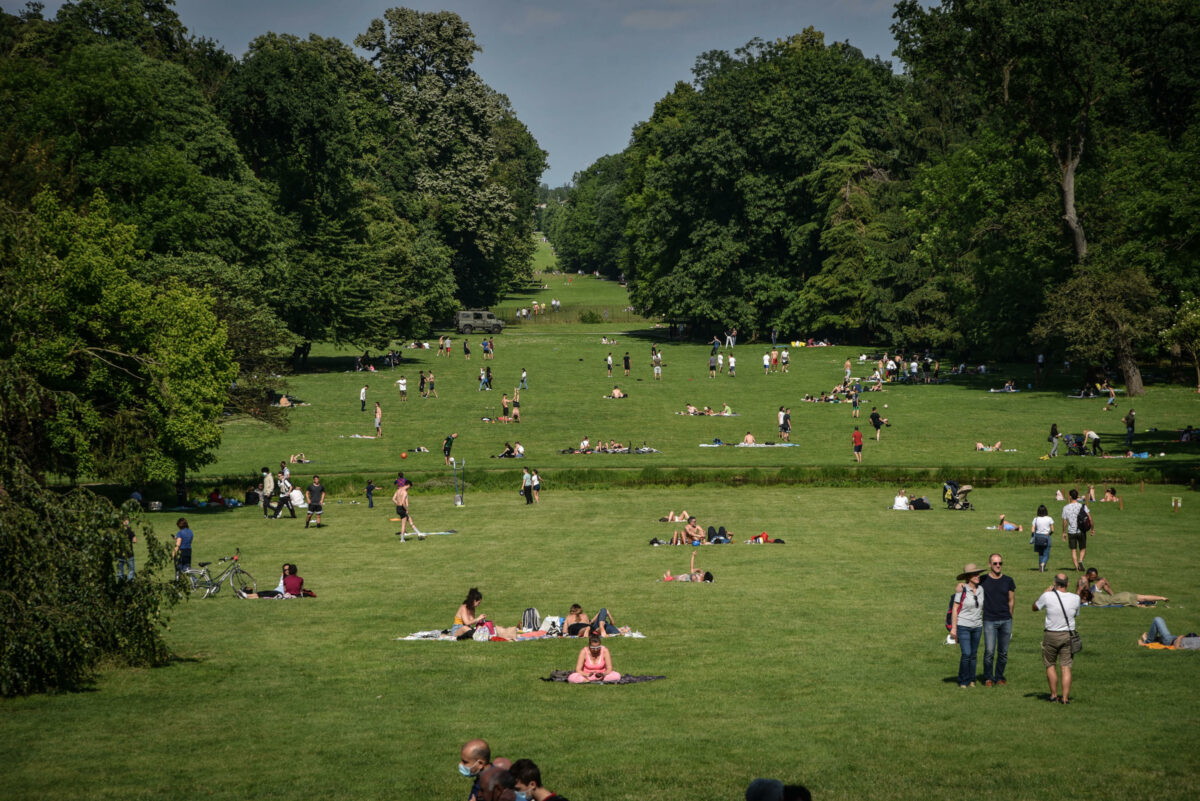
[[819, 661]]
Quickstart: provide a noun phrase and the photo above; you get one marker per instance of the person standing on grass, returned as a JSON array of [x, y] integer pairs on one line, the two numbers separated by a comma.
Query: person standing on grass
[[1062, 608], [402, 385], [125, 562], [712, 366], [527, 486], [1129, 420], [447, 444], [626, 362], [467, 349], [999, 595], [431, 389], [608, 363], [315, 496], [370, 493], [524, 380], [268, 489], [854, 402], [784, 358], [182, 555], [362, 397], [716, 345], [482, 380], [378, 420], [421, 383], [732, 365], [400, 498], [856, 439], [966, 623], [785, 425], [656, 361], [1076, 540], [766, 362], [774, 359], [731, 337], [536, 485], [846, 369]]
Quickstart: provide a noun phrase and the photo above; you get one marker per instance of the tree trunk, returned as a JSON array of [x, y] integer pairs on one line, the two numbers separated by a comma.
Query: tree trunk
[[1129, 368], [1067, 167], [181, 487]]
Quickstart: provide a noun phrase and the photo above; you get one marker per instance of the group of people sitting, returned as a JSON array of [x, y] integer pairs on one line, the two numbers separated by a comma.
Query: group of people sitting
[[511, 451], [708, 411], [600, 446], [468, 620], [291, 585], [694, 534], [903, 503]]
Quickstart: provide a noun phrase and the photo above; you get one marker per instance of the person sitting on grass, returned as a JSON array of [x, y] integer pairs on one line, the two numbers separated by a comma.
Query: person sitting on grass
[[529, 781], [1110, 496], [594, 664], [694, 573], [979, 446], [290, 586], [578, 624], [617, 393], [671, 517], [900, 502], [1095, 590], [749, 439], [707, 411], [692, 534], [1159, 633], [690, 409], [1007, 526], [508, 453]]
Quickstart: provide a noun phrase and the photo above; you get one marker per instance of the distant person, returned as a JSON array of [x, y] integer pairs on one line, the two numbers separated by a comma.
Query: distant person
[[1130, 421], [267, 489], [856, 439], [901, 503], [362, 397], [378, 420], [400, 499], [877, 421], [1075, 537], [1053, 439], [749, 439], [315, 497], [999, 597], [447, 444], [182, 555], [626, 363], [1159, 633]]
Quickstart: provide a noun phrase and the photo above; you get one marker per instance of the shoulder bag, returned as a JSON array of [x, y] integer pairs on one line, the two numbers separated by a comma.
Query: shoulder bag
[[1076, 640]]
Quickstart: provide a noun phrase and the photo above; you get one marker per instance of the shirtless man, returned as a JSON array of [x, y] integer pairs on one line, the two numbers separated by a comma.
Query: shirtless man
[[400, 498], [749, 439], [692, 534]]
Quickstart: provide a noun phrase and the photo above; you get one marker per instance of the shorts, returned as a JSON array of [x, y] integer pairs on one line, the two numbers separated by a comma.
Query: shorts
[[314, 508], [401, 512], [1056, 647], [858, 448], [1078, 540], [657, 370]]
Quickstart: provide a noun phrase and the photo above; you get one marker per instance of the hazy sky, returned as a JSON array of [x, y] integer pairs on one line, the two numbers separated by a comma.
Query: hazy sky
[[579, 73]]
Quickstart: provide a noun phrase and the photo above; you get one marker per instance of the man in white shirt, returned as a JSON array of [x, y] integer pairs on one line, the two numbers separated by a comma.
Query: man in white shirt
[[362, 398], [1061, 608], [1075, 539]]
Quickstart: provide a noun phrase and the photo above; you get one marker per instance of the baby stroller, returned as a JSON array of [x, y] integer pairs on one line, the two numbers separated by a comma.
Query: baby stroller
[[956, 496], [1075, 444]]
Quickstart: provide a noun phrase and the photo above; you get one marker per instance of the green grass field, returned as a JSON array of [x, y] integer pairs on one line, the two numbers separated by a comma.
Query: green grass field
[[818, 662]]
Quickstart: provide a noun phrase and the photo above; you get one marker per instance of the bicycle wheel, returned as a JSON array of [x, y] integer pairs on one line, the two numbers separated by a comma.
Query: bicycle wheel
[[241, 580]]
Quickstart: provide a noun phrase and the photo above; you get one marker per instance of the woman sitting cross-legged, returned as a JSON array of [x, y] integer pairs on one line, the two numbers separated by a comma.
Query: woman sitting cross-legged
[[290, 585], [594, 664]]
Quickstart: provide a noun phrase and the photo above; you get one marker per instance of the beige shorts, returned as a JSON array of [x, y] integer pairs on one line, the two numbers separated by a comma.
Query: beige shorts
[[1056, 648]]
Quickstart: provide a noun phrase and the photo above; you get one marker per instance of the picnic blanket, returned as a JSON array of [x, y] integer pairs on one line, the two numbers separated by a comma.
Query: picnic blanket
[[714, 414], [444, 635], [561, 675], [718, 443]]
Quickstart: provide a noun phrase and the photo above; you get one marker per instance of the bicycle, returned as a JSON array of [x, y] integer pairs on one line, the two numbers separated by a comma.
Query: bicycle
[[199, 580]]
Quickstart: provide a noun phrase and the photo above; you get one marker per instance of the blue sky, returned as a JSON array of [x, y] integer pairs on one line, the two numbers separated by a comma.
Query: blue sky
[[580, 74]]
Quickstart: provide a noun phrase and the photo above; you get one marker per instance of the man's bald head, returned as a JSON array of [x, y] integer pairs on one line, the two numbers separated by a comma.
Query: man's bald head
[[497, 784], [504, 763], [476, 749]]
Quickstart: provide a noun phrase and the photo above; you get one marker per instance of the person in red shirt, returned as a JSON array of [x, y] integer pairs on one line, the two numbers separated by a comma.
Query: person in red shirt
[[856, 438], [529, 781]]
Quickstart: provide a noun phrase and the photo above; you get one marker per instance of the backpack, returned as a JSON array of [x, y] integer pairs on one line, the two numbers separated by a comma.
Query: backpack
[[950, 608], [1083, 521], [531, 619]]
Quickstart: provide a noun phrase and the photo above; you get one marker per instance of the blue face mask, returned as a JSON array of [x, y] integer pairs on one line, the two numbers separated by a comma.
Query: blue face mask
[[521, 796], [464, 770]]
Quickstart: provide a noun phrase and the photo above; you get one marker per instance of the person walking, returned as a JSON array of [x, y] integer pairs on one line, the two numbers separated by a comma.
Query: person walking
[[537, 486], [999, 594], [1129, 420], [966, 623], [431, 388], [1062, 609], [608, 363], [1074, 534], [732, 365], [1053, 440], [284, 489], [1043, 531], [378, 420], [856, 440], [362, 397], [400, 499], [182, 554], [524, 380]]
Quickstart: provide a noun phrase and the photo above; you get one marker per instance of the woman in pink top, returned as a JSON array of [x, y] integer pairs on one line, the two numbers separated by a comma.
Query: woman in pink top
[[594, 664]]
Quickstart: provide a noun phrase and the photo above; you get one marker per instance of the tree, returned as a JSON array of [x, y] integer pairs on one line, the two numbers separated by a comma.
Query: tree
[[1184, 333]]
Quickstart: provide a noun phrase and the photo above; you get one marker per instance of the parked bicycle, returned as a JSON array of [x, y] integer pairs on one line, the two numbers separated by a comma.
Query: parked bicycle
[[198, 580]]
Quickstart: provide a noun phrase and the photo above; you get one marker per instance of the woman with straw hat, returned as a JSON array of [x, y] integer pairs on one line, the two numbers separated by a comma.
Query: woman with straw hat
[[966, 622]]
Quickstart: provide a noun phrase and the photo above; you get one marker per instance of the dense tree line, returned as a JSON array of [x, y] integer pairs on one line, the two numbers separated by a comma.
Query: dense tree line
[[1026, 182], [174, 223]]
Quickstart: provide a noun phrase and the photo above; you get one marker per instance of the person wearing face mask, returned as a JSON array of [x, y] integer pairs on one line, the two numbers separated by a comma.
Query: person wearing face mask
[[474, 758], [594, 664], [529, 783]]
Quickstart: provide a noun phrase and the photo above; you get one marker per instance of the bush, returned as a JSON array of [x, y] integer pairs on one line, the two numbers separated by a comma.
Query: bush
[[62, 607], [591, 317]]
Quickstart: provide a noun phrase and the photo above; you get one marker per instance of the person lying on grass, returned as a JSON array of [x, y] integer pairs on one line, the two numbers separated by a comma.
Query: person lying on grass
[[694, 573], [979, 446], [1159, 633], [1095, 590], [594, 664], [692, 534], [1007, 526], [675, 518], [579, 625]]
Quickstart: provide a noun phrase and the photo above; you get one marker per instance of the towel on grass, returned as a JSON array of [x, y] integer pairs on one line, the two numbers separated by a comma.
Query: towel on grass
[[561, 675], [445, 636]]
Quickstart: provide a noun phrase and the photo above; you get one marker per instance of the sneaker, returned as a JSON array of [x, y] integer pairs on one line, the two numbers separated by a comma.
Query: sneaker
[[1001, 682], [239, 593], [987, 683]]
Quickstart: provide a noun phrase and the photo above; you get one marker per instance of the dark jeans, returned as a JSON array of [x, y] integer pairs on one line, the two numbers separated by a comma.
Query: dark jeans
[[528, 492], [285, 501]]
